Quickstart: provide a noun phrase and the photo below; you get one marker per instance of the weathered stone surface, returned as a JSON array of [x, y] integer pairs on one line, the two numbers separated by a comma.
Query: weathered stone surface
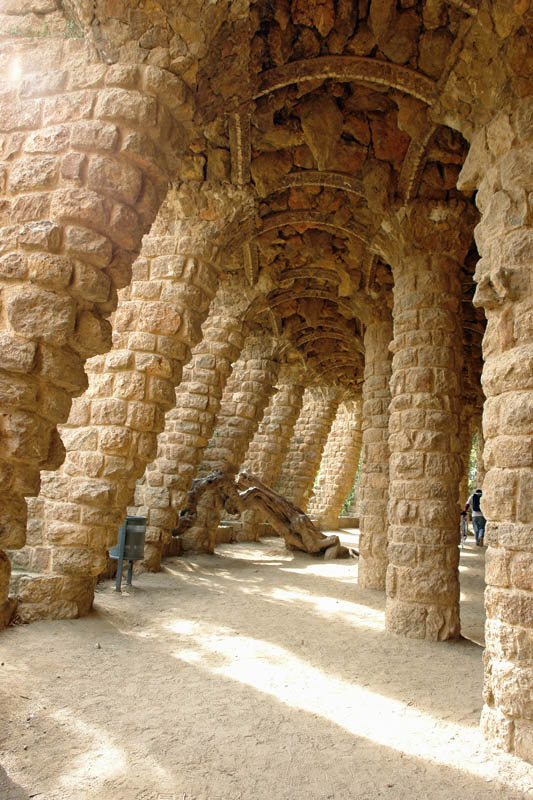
[[297, 475], [190, 424], [243, 402], [270, 444], [358, 110], [426, 297], [374, 479], [340, 459]]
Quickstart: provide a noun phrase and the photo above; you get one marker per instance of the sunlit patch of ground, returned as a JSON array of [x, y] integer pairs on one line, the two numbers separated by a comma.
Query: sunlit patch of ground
[[254, 674]]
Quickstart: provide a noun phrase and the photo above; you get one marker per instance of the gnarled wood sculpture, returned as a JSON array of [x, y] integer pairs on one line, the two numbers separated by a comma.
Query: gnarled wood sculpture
[[248, 492]]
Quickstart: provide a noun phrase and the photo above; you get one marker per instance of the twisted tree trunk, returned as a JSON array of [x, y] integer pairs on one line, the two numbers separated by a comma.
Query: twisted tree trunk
[[247, 492]]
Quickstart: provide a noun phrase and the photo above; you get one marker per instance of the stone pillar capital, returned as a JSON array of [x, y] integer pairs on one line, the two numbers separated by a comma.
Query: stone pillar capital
[[425, 229]]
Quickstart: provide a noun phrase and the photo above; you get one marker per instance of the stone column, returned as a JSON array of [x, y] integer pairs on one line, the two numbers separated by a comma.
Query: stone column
[[245, 397], [111, 432], [499, 166], [302, 462], [270, 444], [480, 452], [83, 175], [340, 460], [425, 461], [466, 435], [190, 424], [374, 478]]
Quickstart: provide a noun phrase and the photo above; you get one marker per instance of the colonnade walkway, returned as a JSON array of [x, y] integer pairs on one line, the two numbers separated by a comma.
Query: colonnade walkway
[[253, 674]]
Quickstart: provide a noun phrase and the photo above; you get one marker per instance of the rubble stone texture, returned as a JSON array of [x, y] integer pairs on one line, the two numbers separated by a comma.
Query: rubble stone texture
[[340, 459], [111, 432], [505, 241], [373, 489], [424, 442], [83, 177], [323, 158], [162, 493], [270, 444], [244, 400], [302, 461]]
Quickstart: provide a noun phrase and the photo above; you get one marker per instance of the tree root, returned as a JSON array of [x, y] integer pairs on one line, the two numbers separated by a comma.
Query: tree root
[[248, 492]]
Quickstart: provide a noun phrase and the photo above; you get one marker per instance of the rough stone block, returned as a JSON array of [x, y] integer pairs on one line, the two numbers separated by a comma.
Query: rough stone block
[[40, 314], [88, 245]]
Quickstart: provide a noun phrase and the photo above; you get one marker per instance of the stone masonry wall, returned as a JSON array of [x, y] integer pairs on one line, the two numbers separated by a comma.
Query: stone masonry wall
[[301, 464], [245, 397], [499, 166], [340, 460], [373, 487], [111, 432], [83, 173], [190, 424]]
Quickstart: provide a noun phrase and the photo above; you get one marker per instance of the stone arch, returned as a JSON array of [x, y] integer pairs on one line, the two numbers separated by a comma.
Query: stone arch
[[296, 477], [244, 400], [112, 430], [339, 462], [250, 229], [189, 425], [86, 172], [349, 68], [333, 180]]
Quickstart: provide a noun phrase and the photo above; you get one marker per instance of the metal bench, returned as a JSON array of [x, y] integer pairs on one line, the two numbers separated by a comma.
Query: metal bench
[[130, 547]]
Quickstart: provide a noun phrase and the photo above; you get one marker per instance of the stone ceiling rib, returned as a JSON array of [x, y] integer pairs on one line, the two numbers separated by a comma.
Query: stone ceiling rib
[[249, 228], [349, 69], [413, 164], [332, 180], [319, 334], [315, 271], [239, 137], [310, 294], [312, 218]]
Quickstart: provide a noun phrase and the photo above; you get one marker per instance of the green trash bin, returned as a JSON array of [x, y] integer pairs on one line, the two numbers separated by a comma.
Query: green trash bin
[[130, 547]]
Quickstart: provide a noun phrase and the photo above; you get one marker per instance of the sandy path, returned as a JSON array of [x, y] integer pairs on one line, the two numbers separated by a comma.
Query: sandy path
[[249, 675]]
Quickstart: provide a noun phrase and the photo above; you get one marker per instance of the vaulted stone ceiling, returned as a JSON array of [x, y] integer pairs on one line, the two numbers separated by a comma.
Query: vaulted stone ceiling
[[321, 115]]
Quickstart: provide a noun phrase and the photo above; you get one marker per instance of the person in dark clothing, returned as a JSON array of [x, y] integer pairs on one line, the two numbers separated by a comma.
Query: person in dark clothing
[[478, 520]]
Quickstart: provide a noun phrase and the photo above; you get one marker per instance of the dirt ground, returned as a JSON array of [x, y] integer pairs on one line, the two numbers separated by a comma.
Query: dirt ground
[[253, 674]]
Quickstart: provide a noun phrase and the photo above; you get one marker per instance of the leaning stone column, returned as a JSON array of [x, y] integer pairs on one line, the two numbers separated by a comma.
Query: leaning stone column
[[190, 424], [244, 400], [111, 432], [270, 444], [84, 175], [499, 166], [374, 478], [301, 464], [340, 460], [425, 461], [480, 451]]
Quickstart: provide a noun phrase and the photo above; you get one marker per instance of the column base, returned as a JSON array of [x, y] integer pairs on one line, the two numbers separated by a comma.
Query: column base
[[371, 573], [52, 596], [7, 611], [435, 623]]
